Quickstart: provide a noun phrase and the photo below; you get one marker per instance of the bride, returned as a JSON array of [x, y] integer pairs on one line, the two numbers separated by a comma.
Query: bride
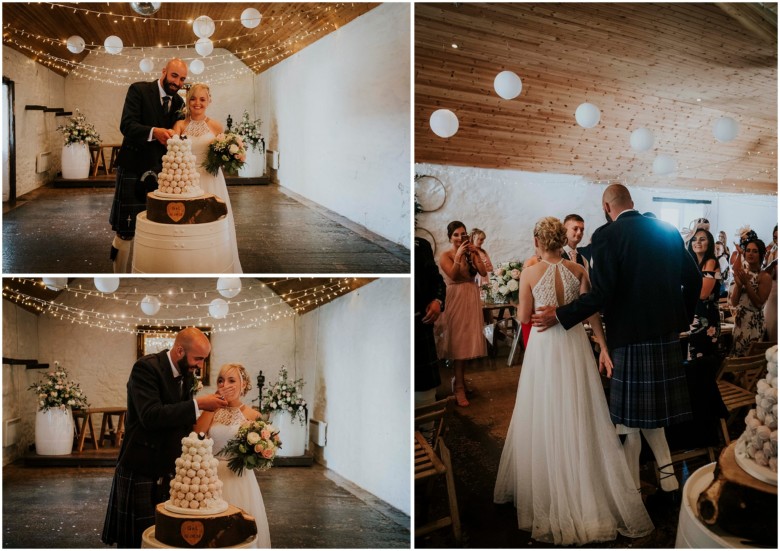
[[562, 465], [222, 425], [201, 131]]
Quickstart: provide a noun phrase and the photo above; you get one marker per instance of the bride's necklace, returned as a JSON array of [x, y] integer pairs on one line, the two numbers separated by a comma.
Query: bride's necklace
[[197, 128]]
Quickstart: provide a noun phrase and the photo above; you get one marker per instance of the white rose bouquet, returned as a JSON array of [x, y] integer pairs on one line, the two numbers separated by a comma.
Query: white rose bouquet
[[78, 130], [226, 151], [56, 391], [250, 132], [504, 282], [253, 447], [285, 395]]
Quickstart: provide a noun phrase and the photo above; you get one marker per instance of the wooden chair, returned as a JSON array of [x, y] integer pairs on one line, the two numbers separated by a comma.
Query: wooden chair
[[432, 460], [760, 347], [737, 382]]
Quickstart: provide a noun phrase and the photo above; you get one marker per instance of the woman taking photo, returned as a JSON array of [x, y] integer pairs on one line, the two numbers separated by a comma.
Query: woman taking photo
[[462, 320]]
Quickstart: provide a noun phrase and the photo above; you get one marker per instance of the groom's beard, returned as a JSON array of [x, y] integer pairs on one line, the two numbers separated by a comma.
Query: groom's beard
[[170, 87]]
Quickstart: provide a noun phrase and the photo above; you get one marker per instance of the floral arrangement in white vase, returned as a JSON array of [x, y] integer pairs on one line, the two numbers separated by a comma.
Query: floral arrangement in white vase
[[504, 282], [56, 391], [250, 132], [78, 130], [285, 395]]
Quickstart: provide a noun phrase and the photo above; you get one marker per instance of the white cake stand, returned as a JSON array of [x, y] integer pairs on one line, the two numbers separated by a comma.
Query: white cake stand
[[764, 474]]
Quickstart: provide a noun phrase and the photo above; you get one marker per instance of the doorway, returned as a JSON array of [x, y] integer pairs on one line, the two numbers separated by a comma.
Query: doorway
[[9, 142]]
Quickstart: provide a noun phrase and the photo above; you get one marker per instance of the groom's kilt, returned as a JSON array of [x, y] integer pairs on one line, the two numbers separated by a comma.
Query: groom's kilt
[[131, 507], [129, 200], [648, 387]]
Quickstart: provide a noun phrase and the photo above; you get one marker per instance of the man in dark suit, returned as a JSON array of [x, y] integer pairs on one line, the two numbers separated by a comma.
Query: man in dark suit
[[429, 295], [575, 230], [150, 110], [646, 284], [161, 410]]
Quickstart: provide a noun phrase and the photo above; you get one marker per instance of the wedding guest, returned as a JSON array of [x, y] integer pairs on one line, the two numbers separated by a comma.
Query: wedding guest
[[705, 330], [161, 410], [748, 294], [462, 320], [771, 250], [575, 231], [770, 308], [478, 238], [744, 234], [429, 295], [148, 116], [725, 270]]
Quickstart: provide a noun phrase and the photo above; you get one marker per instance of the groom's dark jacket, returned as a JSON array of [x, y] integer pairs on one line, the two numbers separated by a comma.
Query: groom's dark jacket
[[159, 415], [142, 111], [644, 281]]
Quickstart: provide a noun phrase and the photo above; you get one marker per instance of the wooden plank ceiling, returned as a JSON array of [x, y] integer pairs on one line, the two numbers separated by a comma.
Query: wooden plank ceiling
[[672, 68], [40, 31]]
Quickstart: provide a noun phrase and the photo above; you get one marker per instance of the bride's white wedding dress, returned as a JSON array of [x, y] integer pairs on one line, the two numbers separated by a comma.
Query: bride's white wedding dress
[[241, 491], [200, 137], [562, 465]]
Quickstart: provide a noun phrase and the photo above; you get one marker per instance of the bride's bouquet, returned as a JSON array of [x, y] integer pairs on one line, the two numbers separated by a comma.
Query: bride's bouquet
[[504, 282], [253, 447], [227, 151]]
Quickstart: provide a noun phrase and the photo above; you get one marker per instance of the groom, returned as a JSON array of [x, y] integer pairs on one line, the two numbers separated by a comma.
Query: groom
[[150, 110], [646, 284]]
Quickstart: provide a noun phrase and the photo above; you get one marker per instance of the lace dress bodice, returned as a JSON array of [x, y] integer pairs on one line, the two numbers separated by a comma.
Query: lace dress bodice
[[224, 426], [544, 290], [200, 136]]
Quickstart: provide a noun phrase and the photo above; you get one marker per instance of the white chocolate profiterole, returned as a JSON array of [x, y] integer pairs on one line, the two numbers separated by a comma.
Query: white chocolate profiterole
[[196, 489], [179, 176]]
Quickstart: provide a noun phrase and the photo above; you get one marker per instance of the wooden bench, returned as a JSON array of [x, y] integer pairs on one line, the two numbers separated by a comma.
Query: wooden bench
[[108, 429]]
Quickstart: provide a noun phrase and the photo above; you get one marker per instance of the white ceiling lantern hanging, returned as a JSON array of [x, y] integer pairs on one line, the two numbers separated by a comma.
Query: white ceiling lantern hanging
[[664, 165], [106, 284], [218, 308], [146, 65], [196, 66], [444, 123], [507, 85], [642, 139], [75, 44], [55, 283], [587, 115], [145, 8], [113, 44], [150, 305], [229, 287], [203, 26], [204, 46], [725, 129], [250, 18]]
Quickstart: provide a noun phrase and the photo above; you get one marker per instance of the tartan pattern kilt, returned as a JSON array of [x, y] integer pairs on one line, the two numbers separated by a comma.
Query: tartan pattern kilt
[[648, 387], [129, 201], [131, 508]]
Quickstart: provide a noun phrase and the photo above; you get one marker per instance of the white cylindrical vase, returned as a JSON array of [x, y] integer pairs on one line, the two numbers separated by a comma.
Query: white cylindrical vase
[[291, 432], [254, 167], [75, 161], [54, 432]]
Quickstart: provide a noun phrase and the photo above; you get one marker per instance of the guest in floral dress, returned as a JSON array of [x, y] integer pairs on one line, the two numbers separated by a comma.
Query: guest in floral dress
[[705, 331], [748, 294]]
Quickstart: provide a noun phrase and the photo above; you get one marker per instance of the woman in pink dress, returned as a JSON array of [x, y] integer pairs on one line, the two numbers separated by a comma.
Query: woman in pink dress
[[462, 318]]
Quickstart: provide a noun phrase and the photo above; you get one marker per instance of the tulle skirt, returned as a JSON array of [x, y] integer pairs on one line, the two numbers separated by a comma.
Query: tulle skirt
[[459, 330], [244, 492], [562, 465]]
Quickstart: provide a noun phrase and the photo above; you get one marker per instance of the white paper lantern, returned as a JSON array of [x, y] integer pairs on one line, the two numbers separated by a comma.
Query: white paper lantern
[[55, 283], [146, 65], [106, 284], [76, 44], [507, 84], [113, 44], [145, 8], [642, 139], [444, 123], [229, 287], [725, 129], [196, 66], [150, 305], [204, 46], [664, 164], [203, 26], [250, 18], [587, 115], [218, 308]]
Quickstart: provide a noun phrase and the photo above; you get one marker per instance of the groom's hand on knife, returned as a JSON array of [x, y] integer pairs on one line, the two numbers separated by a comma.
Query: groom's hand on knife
[[162, 135], [544, 318]]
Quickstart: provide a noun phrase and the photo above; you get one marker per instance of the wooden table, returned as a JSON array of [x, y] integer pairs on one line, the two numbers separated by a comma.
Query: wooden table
[[108, 430], [493, 314], [98, 157]]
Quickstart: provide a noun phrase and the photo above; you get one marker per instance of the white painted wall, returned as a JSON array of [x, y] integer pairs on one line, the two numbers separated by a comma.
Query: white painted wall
[[339, 114], [356, 349], [507, 203], [35, 130]]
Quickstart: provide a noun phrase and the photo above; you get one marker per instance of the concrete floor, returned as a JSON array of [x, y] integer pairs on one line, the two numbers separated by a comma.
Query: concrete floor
[[476, 437], [307, 507], [67, 231]]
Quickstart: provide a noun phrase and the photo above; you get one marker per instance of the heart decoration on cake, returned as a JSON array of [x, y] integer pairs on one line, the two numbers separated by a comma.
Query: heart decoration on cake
[[192, 531], [175, 211]]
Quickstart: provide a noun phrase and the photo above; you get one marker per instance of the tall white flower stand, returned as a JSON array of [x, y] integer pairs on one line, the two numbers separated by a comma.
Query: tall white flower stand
[[254, 167], [291, 433], [54, 432], [75, 161]]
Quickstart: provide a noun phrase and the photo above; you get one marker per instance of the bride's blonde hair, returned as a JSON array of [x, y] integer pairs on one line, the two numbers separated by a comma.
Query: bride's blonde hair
[[190, 92], [550, 233], [242, 374]]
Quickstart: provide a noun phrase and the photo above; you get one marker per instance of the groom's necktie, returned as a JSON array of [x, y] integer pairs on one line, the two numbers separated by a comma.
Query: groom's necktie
[[167, 104]]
